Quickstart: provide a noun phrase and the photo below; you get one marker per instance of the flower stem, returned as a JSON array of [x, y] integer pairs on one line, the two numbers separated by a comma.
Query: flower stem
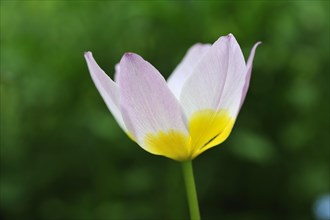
[[191, 190]]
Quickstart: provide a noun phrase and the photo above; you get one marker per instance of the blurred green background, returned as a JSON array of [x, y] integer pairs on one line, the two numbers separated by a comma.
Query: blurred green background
[[63, 157]]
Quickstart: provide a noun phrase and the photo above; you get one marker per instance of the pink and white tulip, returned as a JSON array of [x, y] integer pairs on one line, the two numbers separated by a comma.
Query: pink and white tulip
[[194, 110]]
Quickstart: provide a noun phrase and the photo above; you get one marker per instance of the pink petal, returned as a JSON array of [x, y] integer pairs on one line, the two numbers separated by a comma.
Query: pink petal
[[248, 72], [218, 74], [147, 104], [108, 89], [235, 79], [185, 68]]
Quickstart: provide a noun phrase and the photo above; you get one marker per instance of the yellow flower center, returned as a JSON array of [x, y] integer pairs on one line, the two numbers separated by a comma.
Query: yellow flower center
[[207, 128], [172, 144]]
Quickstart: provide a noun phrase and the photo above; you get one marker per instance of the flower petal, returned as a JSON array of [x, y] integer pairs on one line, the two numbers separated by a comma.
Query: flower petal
[[232, 91], [185, 68], [220, 71], [209, 128], [211, 95], [248, 72], [151, 112], [108, 89], [232, 99]]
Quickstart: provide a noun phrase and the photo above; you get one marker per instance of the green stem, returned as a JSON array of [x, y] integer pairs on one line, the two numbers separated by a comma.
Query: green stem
[[191, 190]]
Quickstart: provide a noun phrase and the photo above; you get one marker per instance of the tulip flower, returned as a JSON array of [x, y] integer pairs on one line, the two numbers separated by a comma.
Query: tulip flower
[[191, 112]]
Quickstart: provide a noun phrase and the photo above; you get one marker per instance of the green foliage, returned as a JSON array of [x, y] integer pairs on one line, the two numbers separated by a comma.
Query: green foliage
[[63, 157]]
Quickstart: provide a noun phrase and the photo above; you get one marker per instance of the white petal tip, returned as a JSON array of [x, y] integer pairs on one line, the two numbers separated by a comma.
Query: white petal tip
[[129, 55], [255, 47], [88, 55], [230, 37]]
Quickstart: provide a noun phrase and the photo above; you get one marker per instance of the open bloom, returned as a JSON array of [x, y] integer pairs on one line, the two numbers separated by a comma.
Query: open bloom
[[194, 110]]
